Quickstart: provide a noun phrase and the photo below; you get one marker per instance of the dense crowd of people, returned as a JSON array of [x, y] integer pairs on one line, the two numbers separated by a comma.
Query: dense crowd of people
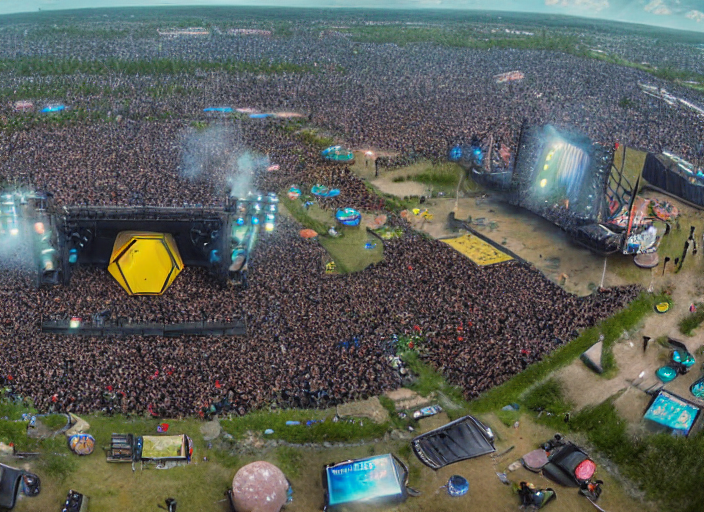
[[481, 325]]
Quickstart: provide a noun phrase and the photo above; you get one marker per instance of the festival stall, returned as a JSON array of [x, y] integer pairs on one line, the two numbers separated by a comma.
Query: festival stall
[[379, 479], [177, 448], [672, 413], [158, 449]]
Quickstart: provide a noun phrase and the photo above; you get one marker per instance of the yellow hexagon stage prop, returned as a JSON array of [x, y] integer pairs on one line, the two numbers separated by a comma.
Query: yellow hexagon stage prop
[[145, 263]]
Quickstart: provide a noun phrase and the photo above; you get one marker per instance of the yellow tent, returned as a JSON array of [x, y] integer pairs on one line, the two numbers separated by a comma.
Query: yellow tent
[[145, 263]]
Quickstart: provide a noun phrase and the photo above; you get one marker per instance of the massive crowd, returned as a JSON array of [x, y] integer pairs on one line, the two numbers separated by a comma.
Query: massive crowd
[[481, 325]]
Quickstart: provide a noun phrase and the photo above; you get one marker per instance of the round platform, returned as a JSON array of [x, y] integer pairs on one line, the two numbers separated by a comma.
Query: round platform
[[650, 260]]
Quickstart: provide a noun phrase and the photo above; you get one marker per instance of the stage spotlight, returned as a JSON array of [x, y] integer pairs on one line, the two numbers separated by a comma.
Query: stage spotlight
[[73, 256], [257, 206], [269, 226], [39, 228], [75, 323], [546, 167], [240, 221], [543, 182], [255, 221], [14, 231], [272, 208]]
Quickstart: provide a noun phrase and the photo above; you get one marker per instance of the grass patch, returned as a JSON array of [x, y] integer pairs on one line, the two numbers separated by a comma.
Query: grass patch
[[298, 212], [38, 66], [54, 422], [313, 138], [341, 431], [692, 321], [669, 469], [58, 466], [13, 409], [611, 328], [442, 177], [428, 380], [349, 252], [547, 400], [508, 418], [290, 460]]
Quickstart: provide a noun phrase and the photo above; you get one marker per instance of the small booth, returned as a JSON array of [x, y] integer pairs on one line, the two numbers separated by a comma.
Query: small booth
[[374, 480], [672, 413]]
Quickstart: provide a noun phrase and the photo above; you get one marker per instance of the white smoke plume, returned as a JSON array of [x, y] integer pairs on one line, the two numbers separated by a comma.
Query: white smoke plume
[[217, 155]]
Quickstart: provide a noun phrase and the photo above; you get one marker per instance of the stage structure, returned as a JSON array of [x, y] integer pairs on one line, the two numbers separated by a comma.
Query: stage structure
[[26, 224], [568, 179], [144, 248]]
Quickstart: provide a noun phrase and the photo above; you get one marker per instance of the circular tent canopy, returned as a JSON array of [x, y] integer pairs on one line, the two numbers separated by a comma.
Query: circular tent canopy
[[294, 193], [82, 444], [145, 263], [348, 216], [308, 233], [457, 486], [338, 154], [259, 487]]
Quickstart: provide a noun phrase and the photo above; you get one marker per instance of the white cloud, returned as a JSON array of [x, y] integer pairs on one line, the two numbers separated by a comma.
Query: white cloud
[[658, 7], [584, 5], [697, 16]]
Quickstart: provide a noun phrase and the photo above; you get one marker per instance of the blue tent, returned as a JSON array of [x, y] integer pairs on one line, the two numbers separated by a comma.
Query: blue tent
[[53, 108], [348, 216]]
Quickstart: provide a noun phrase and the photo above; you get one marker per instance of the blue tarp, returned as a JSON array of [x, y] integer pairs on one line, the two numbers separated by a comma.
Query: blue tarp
[[218, 109], [673, 412], [259, 116], [378, 478], [53, 108]]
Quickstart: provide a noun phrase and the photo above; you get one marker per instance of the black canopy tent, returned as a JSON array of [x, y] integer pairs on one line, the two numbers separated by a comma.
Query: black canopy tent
[[461, 439]]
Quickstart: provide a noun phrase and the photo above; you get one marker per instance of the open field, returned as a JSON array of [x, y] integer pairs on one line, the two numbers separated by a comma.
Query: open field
[[348, 251]]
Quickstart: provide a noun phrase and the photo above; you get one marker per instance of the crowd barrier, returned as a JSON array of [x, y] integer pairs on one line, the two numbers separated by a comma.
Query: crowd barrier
[[65, 327]]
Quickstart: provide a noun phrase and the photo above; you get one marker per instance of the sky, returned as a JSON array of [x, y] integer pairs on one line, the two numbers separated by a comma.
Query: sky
[[678, 14]]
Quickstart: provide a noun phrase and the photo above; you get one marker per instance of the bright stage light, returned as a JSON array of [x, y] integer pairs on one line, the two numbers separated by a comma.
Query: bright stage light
[[75, 323], [545, 167], [39, 228], [543, 182], [14, 231], [240, 221], [255, 221], [269, 226]]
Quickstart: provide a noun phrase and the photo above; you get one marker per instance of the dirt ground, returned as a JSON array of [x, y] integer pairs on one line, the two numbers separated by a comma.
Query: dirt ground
[[584, 387], [486, 492]]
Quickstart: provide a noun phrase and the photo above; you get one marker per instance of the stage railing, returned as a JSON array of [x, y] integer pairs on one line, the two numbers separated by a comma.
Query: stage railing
[[64, 327]]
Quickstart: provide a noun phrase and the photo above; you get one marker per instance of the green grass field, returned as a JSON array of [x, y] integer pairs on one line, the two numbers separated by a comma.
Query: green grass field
[[347, 251]]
